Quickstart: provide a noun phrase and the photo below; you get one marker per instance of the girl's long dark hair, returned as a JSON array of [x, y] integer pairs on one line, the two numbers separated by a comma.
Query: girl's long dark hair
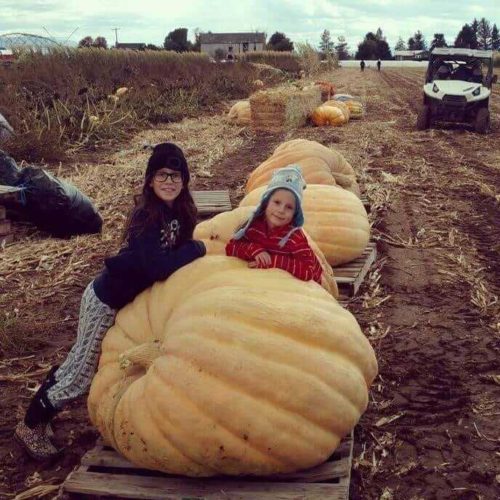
[[150, 210]]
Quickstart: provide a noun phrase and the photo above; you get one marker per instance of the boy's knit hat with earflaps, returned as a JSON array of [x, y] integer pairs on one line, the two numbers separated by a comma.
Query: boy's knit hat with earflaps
[[290, 178]]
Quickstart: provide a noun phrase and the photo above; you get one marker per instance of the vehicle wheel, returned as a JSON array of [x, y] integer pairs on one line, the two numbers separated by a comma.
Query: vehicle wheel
[[482, 123], [424, 118]]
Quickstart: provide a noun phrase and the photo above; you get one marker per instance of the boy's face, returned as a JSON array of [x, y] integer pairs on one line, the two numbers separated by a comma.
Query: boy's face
[[280, 209]]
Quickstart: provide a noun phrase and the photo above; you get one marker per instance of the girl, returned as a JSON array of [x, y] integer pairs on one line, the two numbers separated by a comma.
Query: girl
[[273, 237], [159, 241]]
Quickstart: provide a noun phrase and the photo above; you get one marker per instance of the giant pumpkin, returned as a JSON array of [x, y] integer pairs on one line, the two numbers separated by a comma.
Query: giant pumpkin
[[315, 169], [222, 369], [341, 105], [217, 231], [334, 218], [340, 168], [327, 115]]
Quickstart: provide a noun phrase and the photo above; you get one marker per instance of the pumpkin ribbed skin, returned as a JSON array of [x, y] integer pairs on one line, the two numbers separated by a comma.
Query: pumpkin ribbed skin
[[341, 105], [334, 218], [230, 370], [218, 230], [335, 160], [327, 115], [240, 113], [356, 109], [312, 158], [315, 169]]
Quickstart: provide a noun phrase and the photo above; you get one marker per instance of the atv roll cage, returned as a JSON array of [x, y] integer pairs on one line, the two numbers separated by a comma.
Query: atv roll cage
[[461, 64]]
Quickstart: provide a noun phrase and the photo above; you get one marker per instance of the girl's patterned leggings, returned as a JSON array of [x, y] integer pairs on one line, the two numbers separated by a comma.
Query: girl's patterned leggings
[[75, 375]]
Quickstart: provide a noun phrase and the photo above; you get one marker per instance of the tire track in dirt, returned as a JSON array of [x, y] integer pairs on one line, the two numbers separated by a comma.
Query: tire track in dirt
[[432, 361], [460, 148]]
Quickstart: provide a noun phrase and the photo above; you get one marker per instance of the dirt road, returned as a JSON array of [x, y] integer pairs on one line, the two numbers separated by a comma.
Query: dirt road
[[430, 307]]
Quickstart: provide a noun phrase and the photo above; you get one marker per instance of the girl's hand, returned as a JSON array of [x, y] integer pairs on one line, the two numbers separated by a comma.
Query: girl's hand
[[262, 260]]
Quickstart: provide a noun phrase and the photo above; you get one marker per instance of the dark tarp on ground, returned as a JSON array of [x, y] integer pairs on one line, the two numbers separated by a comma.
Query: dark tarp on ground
[[51, 204]]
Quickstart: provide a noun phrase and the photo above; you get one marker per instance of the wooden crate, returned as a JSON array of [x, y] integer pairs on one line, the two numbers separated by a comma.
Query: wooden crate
[[212, 202], [103, 472], [350, 276]]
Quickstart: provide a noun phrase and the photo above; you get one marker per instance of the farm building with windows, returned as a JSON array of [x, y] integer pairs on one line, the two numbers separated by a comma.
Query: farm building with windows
[[411, 55], [229, 45]]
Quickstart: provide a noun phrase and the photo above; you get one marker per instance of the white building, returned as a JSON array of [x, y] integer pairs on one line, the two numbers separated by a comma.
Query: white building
[[231, 44]]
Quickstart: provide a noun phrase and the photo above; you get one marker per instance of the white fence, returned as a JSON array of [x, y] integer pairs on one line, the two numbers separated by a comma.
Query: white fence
[[385, 64]]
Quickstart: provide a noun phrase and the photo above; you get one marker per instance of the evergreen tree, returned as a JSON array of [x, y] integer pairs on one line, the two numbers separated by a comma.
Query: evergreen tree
[[438, 41], [326, 44], [475, 27], [417, 42], [484, 35], [495, 38], [400, 44], [279, 41], [466, 38], [341, 49]]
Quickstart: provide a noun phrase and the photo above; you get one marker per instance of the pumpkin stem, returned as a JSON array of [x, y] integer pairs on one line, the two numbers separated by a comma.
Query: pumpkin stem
[[142, 355]]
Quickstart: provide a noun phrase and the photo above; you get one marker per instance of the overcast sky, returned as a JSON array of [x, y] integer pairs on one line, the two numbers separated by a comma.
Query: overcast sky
[[150, 21]]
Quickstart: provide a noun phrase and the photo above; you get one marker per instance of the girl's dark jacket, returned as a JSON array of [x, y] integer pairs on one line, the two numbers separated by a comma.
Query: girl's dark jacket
[[153, 255]]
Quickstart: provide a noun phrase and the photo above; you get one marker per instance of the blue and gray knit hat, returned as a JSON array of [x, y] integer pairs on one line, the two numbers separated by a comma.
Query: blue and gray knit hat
[[289, 177]]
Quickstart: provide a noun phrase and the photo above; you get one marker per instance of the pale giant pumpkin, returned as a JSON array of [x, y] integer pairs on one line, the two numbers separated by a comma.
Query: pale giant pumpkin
[[327, 115], [334, 218], [355, 108], [240, 113], [223, 369], [341, 105], [315, 169], [217, 231], [340, 168]]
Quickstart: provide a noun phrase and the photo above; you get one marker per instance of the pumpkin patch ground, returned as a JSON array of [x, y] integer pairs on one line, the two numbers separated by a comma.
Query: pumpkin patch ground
[[429, 306]]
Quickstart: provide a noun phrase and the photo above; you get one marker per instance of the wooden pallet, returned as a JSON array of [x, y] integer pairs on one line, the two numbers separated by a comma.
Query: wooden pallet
[[103, 472], [212, 202], [350, 276], [366, 203], [8, 194]]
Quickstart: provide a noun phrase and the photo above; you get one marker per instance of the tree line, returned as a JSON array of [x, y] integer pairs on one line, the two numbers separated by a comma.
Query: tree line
[[480, 34]]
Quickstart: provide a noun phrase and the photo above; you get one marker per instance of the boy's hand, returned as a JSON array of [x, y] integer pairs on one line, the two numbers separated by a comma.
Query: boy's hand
[[262, 260]]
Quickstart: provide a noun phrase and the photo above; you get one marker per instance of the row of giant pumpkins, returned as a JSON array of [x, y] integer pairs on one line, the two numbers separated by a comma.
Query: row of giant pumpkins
[[336, 110], [223, 369]]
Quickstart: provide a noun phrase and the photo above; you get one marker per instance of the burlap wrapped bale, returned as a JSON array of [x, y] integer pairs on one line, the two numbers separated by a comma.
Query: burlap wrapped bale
[[282, 109]]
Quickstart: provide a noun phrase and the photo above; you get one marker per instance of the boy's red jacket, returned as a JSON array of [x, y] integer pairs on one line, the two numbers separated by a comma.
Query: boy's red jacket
[[295, 257]]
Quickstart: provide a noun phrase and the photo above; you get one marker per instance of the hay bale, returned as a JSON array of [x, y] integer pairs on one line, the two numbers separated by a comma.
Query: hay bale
[[282, 109]]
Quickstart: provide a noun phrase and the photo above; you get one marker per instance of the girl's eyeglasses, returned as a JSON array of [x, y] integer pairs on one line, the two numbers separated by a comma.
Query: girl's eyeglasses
[[175, 177]]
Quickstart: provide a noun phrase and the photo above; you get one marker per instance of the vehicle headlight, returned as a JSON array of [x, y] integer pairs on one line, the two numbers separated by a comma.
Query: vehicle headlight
[[476, 92], [435, 88]]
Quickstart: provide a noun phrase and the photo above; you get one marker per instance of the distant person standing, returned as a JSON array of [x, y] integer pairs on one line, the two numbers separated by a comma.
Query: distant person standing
[[379, 63], [362, 65]]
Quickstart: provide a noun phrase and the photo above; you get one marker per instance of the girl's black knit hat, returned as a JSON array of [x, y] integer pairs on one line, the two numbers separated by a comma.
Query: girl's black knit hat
[[168, 155]]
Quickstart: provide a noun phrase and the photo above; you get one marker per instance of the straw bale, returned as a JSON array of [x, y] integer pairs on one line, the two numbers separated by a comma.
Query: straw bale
[[282, 109]]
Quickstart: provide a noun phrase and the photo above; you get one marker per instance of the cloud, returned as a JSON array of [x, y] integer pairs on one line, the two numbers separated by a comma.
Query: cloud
[[151, 20]]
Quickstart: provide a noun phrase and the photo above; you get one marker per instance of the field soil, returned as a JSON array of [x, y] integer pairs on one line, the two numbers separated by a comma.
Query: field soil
[[429, 306]]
